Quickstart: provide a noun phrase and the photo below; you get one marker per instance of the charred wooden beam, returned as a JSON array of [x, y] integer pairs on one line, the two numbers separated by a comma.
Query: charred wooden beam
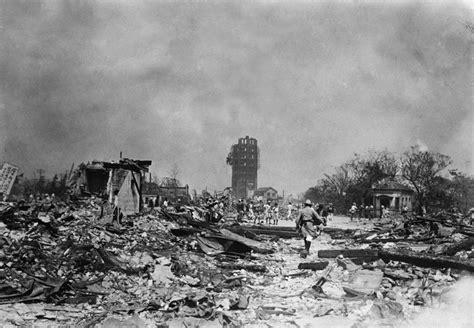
[[421, 260], [336, 230], [393, 240], [288, 232], [465, 244], [281, 234], [185, 231], [276, 228], [427, 261], [320, 265]]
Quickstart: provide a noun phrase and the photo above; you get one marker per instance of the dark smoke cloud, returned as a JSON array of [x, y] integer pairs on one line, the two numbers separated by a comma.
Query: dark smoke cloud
[[180, 82]]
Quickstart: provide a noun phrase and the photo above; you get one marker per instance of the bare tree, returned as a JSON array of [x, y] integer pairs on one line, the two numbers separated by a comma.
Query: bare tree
[[339, 181], [420, 169], [174, 172], [374, 166], [462, 189], [172, 179]]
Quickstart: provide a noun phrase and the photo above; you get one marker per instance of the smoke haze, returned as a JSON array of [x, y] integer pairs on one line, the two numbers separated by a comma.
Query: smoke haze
[[180, 82]]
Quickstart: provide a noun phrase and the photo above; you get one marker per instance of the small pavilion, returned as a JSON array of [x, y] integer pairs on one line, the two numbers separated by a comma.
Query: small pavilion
[[392, 195]]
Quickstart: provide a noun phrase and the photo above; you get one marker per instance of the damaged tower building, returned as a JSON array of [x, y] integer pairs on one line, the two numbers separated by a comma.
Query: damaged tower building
[[244, 159]]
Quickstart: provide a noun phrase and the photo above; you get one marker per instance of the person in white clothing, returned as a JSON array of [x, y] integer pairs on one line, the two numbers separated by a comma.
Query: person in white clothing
[[290, 209]]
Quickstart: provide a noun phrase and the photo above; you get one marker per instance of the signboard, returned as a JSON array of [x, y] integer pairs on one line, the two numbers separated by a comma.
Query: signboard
[[7, 178]]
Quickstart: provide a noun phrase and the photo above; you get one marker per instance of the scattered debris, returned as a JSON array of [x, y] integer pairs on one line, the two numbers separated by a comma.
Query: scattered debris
[[72, 263]]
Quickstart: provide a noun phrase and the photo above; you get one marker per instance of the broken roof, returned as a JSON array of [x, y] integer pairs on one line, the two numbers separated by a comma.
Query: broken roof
[[391, 185], [129, 164], [123, 163]]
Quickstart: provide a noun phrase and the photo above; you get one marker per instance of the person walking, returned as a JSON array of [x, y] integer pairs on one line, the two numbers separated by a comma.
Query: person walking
[[240, 210], [290, 209], [371, 212], [361, 211], [353, 210], [259, 213], [276, 214], [250, 213], [323, 213], [308, 223], [267, 212], [330, 211]]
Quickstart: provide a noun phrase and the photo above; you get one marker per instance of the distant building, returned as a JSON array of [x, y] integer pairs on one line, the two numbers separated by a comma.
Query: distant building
[[392, 195], [244, 159], [173, 194], [266, 194], [150, 189]]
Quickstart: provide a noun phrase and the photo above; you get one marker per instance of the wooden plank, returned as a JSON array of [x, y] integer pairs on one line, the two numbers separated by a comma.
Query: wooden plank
[[349, 253], [393, 240], [279, 233], [427, 261], [465, 244], [320, 265], [185, 231], [268, 227]]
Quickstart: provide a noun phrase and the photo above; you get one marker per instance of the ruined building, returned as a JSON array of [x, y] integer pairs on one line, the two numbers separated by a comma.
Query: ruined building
[[244, 159], [123, 178]]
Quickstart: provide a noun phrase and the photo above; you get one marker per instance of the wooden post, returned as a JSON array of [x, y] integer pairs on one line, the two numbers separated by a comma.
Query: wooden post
[[140, 202]]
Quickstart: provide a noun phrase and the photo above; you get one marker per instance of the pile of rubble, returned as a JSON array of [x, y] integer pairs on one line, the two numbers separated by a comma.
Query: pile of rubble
[[68, 264]]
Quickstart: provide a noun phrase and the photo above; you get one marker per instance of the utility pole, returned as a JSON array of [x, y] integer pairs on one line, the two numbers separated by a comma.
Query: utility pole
[[40, 182]]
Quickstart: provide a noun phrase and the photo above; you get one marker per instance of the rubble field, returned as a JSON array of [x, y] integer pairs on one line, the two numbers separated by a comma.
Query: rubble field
[[66, 264]]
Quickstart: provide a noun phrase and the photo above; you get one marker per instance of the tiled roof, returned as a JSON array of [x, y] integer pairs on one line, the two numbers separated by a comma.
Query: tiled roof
[[391, 185]]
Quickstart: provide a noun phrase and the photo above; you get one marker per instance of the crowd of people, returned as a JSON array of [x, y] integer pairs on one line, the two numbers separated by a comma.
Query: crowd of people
[[260, 212], [270, 212], [362, 211], [368, 211]]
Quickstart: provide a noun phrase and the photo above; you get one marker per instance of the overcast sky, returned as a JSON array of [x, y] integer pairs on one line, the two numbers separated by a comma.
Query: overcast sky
[[181, 82]]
